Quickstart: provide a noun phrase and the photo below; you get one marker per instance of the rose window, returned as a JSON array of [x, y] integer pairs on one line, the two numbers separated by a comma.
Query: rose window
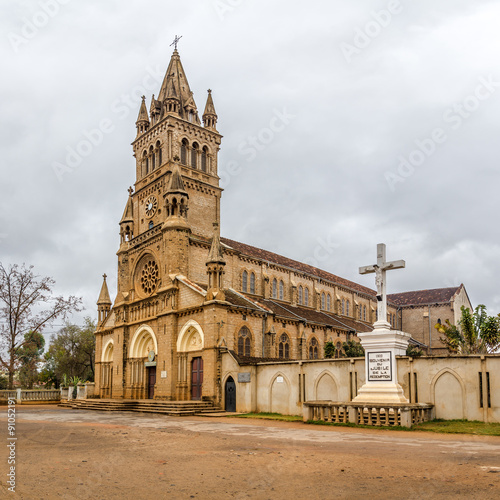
[[149, 276]]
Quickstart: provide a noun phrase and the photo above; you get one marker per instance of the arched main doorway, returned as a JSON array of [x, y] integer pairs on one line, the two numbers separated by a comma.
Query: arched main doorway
[[230, 395], [190, 345], [142, 363]]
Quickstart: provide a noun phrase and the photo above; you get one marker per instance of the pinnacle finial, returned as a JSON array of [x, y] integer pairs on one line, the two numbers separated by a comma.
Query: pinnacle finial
[[176, 40], [130, 190], [104, 276]]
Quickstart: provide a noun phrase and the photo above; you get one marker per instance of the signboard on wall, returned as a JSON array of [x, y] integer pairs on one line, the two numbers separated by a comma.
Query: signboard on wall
[[244, 377]]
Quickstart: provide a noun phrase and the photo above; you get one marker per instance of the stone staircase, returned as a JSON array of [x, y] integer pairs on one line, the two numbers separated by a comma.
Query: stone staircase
[[172, 408]]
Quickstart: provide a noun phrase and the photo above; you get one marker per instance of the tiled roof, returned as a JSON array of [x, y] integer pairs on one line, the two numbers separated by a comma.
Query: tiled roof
[[259, 253], [422, 297]]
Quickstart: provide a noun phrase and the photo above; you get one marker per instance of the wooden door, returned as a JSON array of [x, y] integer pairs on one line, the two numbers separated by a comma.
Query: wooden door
[[151, 382], [230, 395], [196, 378]]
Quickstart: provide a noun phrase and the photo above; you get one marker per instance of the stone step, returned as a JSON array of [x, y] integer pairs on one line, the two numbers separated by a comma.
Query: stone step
[[172, 408]]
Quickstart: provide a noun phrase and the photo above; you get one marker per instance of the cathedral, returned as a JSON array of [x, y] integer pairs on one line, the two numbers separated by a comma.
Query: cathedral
[[184, 293]]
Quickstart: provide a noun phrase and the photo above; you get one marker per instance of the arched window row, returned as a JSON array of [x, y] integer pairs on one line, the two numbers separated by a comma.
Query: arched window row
[[326, 301], [278, 289], [151, 158], [284, 346], [248, 282], [303, 296], [313, 348], [194, 155], [244, 342]]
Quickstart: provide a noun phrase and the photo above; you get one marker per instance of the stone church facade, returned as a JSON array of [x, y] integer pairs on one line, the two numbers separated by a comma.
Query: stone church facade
[[185, 295]]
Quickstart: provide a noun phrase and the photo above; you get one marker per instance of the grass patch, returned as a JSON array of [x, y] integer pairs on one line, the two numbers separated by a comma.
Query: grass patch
[[359, 426], [460, 427], [474, 427], [272, 416]]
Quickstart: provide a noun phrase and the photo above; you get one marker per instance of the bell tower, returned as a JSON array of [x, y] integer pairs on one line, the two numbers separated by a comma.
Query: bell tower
[[173, 134]]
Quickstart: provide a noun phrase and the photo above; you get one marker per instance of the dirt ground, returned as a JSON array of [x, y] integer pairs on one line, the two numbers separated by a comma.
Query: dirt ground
[[69, 454]]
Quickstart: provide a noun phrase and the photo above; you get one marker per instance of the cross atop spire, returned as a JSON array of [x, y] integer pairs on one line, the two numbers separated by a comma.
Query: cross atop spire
[[380, 269], [176, 40]]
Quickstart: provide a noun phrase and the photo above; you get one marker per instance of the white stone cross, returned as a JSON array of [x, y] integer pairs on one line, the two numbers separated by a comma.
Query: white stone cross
[[380, 269]]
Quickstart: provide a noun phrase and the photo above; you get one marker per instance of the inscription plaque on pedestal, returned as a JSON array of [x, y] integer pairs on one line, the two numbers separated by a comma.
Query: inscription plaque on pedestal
[[380, 366]]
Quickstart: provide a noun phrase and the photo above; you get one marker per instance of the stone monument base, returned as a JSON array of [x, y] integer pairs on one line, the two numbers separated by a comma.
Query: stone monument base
[[381, 379]]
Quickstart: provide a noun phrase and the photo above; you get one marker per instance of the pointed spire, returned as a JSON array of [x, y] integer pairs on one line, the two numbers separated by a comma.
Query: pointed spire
[[176, 184], [215, 268], [128, 213], [142, 122], [215, 255], [127, 220], [104, 295], [209, 115], [176, 86], [103, 302]]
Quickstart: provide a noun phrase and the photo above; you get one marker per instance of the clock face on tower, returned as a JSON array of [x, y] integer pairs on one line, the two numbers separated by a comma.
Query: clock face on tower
[[151, 205]]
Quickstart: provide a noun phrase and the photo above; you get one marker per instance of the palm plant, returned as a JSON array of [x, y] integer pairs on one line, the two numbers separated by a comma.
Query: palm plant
[[476, 333]]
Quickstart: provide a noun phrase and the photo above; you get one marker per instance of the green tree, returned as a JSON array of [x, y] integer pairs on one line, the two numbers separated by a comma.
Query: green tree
[[413, 351], [353, 349], [476, 333], [29, 355], [26, 303], [71, 351], [329, 350]]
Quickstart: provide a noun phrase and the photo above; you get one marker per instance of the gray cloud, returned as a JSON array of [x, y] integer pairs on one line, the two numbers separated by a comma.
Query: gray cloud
[[320, 179]]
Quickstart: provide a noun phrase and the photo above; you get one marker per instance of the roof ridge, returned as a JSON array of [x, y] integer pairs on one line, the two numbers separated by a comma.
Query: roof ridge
[[295, 264]]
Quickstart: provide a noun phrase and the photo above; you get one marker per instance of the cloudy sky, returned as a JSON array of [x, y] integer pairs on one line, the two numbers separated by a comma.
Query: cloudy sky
[[345, 124]]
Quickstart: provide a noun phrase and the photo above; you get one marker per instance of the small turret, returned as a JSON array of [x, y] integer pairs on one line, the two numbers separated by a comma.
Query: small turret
[[142, 122], [176, 201], [215, 268], [103, 302], [127, 220], [209, 115]]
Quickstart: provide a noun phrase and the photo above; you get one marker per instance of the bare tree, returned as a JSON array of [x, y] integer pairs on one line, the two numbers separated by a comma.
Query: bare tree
[[26, 303]]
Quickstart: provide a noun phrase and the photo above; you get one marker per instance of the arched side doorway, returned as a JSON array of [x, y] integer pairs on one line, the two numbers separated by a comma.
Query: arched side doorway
[[196, 378], [230, 395], [106, 389], [190, 345], [142, 364]]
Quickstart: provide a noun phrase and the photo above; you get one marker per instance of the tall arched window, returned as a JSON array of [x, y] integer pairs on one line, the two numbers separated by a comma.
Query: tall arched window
[[204, 156], [313, 349], [306, 296], [152, 156], [184, 148], [252, 283], [364, 313], [275, 288], [338, 350], [284, 347], [323, 300], [244, 281], [244, 342], [300, 294], [282, 286], [145, 163], [343, 306], [347, 308], [158, 155], [328, 302], [194, 155]]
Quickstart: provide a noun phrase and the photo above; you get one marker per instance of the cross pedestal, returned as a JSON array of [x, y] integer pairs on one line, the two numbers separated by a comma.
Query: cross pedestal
[[383, 344], [381, 375]]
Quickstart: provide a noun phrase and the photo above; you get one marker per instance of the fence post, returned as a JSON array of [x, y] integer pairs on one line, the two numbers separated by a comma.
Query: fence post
[[18, 398]]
